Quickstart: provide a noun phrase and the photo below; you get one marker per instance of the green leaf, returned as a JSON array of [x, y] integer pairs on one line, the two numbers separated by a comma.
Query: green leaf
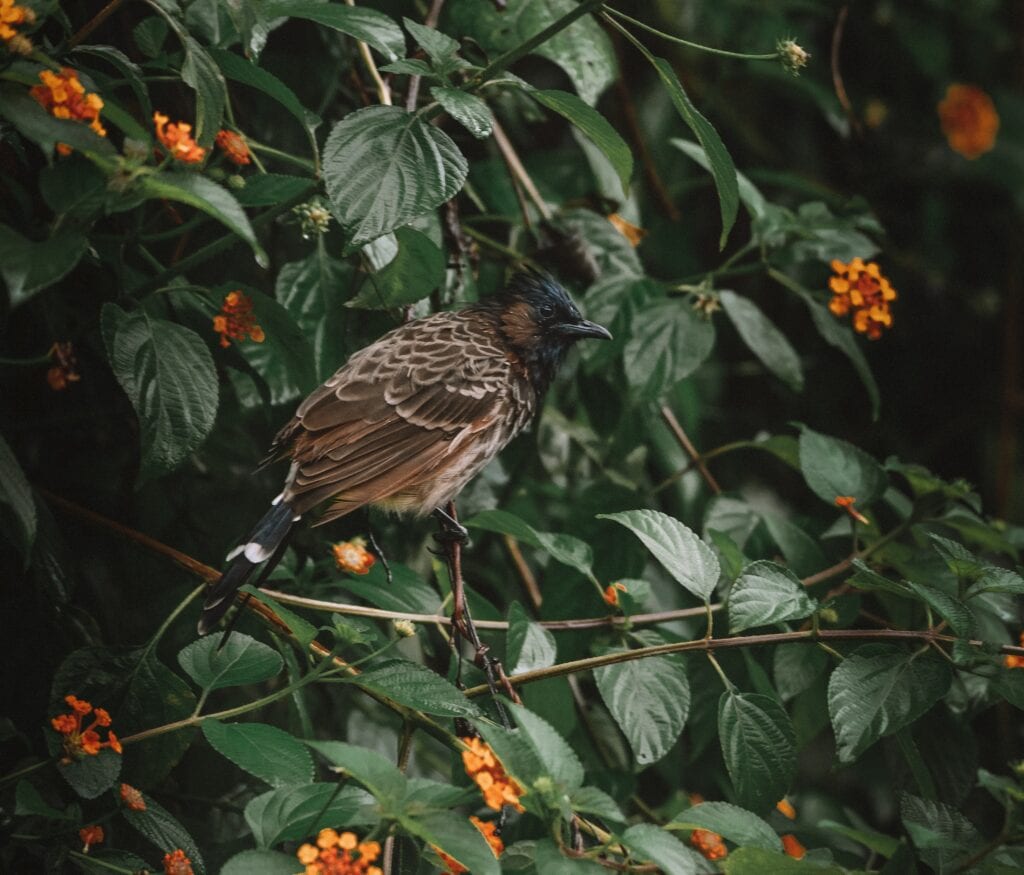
[[93, 775], [764, 339], [590, 800], [407, 592], [795, 667], [201, 73], [436, 44], [951, 609], [722, 169], [468, 110], [961, 561], [595, 126], [758, 861], [167, 372], [383, 167], [73, 187], [667, 343], [767, 593], [368, 767], [685, 556], [878, 690], [748, 192], [457, 837], [291, 813], [803, 555], [284, 359], [16, 493], [241, 660], [28, 802], [415, 271], [649, 699], [876, 841], [269, 753], [549, 859], [29, 267], [738, 825], [302, 629], [36, 124], [759, 748], [545, 753], [566, 549], [164, 830], [203, 194], [268, 189], [649, 842], [259, 863], [529, 645], [994, 579], [416, 686], [833, 467], [940, 833], [867, 579], [366, 25]]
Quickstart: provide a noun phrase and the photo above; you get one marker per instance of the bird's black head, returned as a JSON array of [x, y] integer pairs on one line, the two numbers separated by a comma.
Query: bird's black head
[[539, 321]]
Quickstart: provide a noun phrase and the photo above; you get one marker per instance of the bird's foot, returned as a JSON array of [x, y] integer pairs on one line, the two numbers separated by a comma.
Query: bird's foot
[[451, 531]]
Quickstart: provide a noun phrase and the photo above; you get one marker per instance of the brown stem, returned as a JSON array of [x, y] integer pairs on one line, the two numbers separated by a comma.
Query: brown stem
[[413, 94], [837, 76], [94, 22], [525, 574], [691, 450], [518, 171]]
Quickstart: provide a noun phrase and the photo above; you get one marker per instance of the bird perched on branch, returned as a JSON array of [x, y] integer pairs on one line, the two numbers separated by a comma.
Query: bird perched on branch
[[408, 421]]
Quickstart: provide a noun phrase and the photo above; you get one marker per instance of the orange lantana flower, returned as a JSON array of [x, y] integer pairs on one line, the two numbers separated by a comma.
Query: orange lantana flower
[[846, 502], [90, 835], [611, 593], [633, 233], [64, 96], [11, 16], [709, 843], [177, 140], [234, 147], [489, 831], [236, 320], [862, 289], [177, 864], [352, 556], [1012, 660], [791, 845], [132, 798], [969, 120], [496, 785], [79, 742], [339, 854], [786, 809]]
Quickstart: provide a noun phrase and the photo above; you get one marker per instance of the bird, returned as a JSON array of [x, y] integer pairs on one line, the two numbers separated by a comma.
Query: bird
[[410, 419]]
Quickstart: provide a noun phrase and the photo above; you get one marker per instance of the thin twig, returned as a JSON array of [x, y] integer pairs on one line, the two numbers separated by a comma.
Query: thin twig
[[94, 22], [413, 93], [517, 169], [525, 574], [837, 76], [691, 450], [383, 92]]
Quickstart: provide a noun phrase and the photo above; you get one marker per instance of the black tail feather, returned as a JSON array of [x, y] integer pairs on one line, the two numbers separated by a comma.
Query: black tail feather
[[258, 547]]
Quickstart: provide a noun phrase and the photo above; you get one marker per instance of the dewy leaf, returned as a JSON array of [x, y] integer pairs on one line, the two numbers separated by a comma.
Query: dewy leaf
[[758, 746], [650, 700], [17, 495], [457, 837], [764, 339], [649, 842], [668, 342], [878, 690], [164, 830], [367, 25], [383, 167], [368, 767], [416, 686], [29, 267], [468, 110], [722, 169], [269, 753], [291, 813], [167, 372], [595, 126], [767, 593], [241, 660], [833, 467], [685, 556], [740, 826], [415, 271], [201, 73], [529, 645]]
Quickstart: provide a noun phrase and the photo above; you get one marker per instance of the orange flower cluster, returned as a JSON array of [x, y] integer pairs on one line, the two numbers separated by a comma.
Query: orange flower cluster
[[90, 835], [791, 845], [709, 843], [234, 147], [862, 288], [236, 320], [177, 864], [63, 370], [969, 120], [333, 855], [63, 96], [786, 809], [846, 502], [611, 593], [633, 233], [353, 557], [12, 15], [489, 831], [132, 798], [79, 742], [497, 787], [1012, 660], [177, 140]]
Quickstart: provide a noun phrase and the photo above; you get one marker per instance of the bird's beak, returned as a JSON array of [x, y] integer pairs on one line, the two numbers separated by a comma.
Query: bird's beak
[[583, 328]]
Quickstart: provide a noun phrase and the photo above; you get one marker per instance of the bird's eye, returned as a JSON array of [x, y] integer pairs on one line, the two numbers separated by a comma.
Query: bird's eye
[[546, 311]]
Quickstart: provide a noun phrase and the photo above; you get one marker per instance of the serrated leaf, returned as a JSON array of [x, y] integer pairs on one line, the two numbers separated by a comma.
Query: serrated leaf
[[940, 833], [595, 126], [833, 467], [590, 800], [795, 667], [764, 339], [803, 555], [259, 863], [241, 660], [284, 359], [291, 813], [269, 753], [268, 189], [767, 593], [876, 841], [649, 842], [164, 830], [650, 701], [416, 686], [367, 25], [457, 837], [368, 767], [36, 124], [566, 549], [437, 45], [961, 561], [383, 167], [685, 556], [529, 645], [167, 372], [29, 266], [16, 493], [740, 826], [758, 746], [758, 861], [414, 272], [667, 343], [201, 73], [557, 758], [951, 609], [93, 775], [867, 579], [876, 691], [994, 579], [468, 110]]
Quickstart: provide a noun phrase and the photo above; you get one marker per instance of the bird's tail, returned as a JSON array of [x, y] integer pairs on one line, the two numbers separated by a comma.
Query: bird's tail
[[244, 559]]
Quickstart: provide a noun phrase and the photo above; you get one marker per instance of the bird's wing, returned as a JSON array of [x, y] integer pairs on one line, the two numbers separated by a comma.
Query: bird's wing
[[399, 409]]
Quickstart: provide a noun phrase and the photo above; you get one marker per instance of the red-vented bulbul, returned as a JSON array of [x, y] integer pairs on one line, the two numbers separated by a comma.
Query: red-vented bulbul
[[408, 421]]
